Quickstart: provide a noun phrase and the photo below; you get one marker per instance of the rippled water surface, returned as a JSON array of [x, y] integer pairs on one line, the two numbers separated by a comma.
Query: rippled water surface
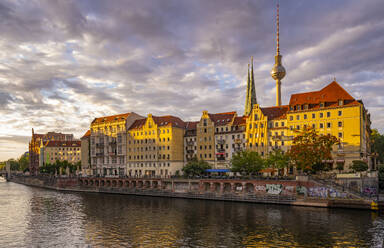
[[33, 217]]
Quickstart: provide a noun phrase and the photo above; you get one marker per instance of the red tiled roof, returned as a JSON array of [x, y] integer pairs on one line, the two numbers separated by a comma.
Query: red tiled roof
[[160, 121], [57, 143], [87, 134], [331, 93], [276, 112], [191, 125], [137, 123], [169, 119], [239, 120], [222, 118], [111, 118]]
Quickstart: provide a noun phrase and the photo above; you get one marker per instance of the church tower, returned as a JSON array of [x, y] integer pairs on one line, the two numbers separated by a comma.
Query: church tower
[[250, 98], [278, 71]]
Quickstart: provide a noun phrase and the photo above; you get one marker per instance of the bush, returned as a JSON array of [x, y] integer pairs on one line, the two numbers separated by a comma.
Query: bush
[[358, 166]]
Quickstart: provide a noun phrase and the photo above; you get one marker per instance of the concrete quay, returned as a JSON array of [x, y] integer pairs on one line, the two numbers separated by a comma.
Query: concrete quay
[[287, 192]]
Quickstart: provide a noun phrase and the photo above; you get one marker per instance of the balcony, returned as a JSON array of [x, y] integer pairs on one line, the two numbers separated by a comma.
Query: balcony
[[238, 141], [114, 153], [220, 141], [100, 154], [190, 151], [113, 142], [220, 150], [99, 145], [190, 143]]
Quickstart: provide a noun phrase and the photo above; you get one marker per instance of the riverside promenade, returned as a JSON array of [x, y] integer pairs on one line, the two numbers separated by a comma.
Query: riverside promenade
[[299, 192]]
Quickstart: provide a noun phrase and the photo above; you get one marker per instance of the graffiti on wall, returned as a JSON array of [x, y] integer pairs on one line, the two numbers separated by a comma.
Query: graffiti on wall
[[260, 188], [274, 189], [321, 192], [337, 194], [302, 190], [370, 191]]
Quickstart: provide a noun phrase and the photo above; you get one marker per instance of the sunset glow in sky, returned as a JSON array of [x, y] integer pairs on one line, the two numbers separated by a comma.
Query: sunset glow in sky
[[63, 63]]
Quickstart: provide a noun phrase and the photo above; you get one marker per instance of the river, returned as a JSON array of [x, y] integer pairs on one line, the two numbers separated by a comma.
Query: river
[[34, 217]]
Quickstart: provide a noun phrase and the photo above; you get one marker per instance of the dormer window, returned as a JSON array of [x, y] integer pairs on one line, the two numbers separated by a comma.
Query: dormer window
[[298, 107], [306, 106], [321, 105], [341, 102], [292, 108]]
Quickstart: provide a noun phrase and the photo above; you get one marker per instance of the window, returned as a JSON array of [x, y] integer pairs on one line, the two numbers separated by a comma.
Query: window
[[341, 102], [282, 124], [328, 125], [298, 107], [328, 114], [291, 118], [340, 113], [321, 105], [250, 126], [306, 106], [256, 117], [321, 115], [298, 127], [340, 124], [313, 126], [321, 125], [305, 116], [276, 124], [297, 117], [313, 116], [340, 135]]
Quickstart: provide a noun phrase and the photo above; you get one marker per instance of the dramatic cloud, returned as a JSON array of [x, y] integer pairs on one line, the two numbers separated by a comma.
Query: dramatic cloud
[[62, 63]]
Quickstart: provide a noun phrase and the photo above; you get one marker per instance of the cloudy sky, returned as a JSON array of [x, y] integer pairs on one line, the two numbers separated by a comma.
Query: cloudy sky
[[62, 63]]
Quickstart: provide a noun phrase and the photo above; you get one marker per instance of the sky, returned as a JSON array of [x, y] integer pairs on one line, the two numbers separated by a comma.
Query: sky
[[63, 63]]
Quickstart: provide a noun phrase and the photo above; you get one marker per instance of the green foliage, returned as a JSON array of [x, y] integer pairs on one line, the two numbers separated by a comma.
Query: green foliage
[[277, 159], [309, 149], [247, 162], [378, 145], [358, 166], [196, 167], [381, 177], [59, 167], [340, 166]]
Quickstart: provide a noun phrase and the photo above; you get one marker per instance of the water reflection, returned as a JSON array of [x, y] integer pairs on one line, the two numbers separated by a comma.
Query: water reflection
[[37, 217]]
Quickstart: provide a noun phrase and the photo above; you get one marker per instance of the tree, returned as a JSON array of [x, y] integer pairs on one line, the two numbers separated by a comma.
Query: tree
[[358, 166], [277, 159], [247, 162], [309, 149], [195, 167], [23, 162], [378, 145]]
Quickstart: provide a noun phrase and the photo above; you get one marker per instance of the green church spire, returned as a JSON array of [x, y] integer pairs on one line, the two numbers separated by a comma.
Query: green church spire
[[251, 91]]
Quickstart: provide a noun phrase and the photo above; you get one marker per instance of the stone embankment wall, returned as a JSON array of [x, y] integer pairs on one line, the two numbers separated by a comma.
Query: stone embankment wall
[[298, 193]]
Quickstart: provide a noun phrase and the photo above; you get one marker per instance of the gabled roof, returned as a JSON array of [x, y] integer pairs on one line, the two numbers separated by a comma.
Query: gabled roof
[[87, 134], [111, 118], [239, 120], [57, 143], [138, 123], [191, 125], [221, 119], [276, 112], [160, 121], [169, 119], [330, 93]]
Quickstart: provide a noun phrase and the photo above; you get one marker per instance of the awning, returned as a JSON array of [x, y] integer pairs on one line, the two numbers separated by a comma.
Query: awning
[[217, 170]]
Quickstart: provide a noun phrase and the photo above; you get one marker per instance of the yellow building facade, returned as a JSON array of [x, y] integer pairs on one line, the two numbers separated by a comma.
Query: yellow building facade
[[60, 150], [155, 146], [330, 110]]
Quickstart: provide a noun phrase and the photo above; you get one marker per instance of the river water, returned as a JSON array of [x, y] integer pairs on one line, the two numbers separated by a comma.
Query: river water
[[34, 217]]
